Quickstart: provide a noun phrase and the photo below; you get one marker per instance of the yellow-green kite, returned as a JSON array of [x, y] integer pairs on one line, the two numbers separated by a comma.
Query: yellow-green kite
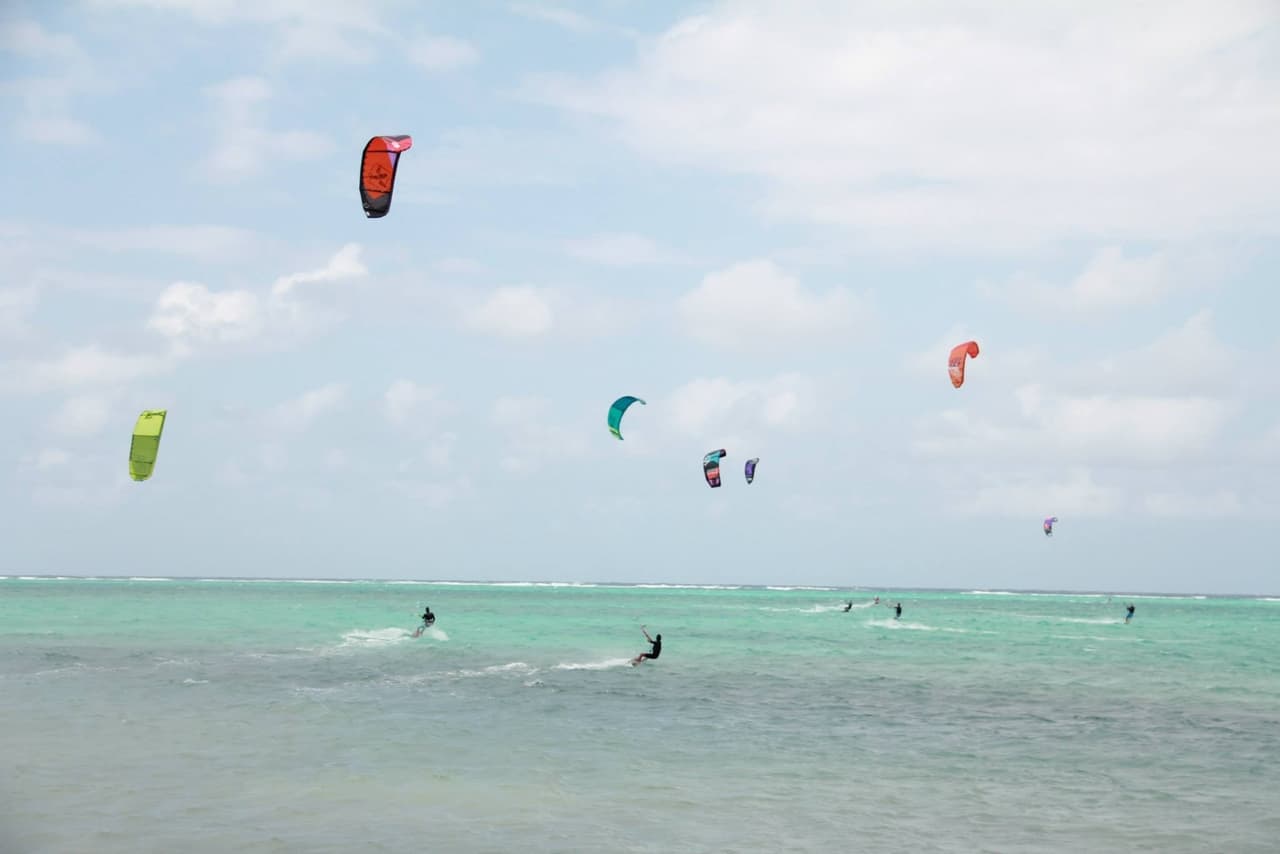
[[146, 443]]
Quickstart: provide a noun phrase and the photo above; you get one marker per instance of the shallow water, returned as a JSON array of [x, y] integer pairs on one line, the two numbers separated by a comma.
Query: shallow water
[[285, 716]]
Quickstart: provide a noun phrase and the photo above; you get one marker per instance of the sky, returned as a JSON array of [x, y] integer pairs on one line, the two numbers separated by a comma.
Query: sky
[[770, 221]]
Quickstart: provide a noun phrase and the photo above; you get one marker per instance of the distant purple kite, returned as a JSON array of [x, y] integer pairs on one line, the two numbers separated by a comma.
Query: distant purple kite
[[751, 469]]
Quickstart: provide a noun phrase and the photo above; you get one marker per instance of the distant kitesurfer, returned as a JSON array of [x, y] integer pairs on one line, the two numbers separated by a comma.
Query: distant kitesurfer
[[877, 601], [427, 619], [654, 652], [897, 610], [847, 605], [1128, 616]]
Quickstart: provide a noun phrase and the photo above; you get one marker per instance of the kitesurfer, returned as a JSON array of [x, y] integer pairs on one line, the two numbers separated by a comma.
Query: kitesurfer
[[877, 600], [427, 619], [897, 610], [847, 605], [654, 651], [1128, 616]]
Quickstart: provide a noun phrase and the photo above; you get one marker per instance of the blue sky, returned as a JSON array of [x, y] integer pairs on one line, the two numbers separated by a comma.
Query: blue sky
[[770, 221]]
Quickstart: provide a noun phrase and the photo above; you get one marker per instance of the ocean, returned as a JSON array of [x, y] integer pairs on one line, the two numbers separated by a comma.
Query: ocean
[[209, 715]]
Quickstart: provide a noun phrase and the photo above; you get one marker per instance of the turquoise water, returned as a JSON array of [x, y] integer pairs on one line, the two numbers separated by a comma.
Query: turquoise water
[[215, 716]]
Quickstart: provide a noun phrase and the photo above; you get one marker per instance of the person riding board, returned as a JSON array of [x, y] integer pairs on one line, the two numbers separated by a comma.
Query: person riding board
[[427, 619], [654, 651], [1129, 615], [847, 605]]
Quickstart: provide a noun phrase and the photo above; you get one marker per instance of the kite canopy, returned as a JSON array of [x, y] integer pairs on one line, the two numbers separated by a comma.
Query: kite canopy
[[955, 364], [711, 467], [1048, 525], [616, 411], [378, 172], [751, 469], [146, 443]]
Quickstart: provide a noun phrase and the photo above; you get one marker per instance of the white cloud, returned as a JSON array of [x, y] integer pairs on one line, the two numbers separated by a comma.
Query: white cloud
[[1133, 427], [563, 18], [463, 266], [513, 312], [439, 451], [326, 30], [1076, 496], [298, 413], [52, 458], [1270, 443], [582, 316], [88, 365], [1160, 429], [1110, 282], [1186, 360], [205, 242], [811, 508], [530, 438], [242, 136], [532, 312], [345, 264], [754, 304], [55, 130], [1085, 430], [408, 404], [567, 19], [969, 126], [16, 305], [496, 157], [620, 250], [721, 407], [304, 29], [437, 454], [57, 478], [30, 39], [1221, 503], [46, 116], [511, 411], [191, 316], [442, 53], [434, 495], [83, 415], [1113, 281]]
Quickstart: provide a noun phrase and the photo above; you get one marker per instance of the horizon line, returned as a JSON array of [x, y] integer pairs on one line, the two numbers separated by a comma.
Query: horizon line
[[975, 590]]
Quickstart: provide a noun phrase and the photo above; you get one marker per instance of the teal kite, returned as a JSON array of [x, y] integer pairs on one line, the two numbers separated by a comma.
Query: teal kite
[[711, 467], [616, 411]]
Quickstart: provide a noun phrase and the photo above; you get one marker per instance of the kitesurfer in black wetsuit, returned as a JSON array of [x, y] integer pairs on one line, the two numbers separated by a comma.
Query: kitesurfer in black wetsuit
[[897, 610], [653, 653], [427, 619], [1128, 616], [848, 605]]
